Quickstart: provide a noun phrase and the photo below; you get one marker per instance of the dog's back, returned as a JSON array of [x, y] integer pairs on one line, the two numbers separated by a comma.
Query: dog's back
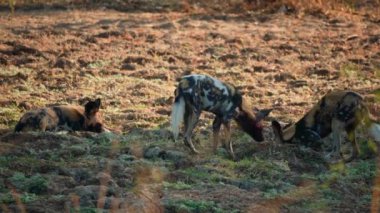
[[40, 119], [50, 118], [343, 106], [68, 117]]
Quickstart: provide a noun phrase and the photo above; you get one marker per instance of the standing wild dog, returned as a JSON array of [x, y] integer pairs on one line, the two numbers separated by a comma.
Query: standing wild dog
[[336, 112], [197, 93], [76, 118]]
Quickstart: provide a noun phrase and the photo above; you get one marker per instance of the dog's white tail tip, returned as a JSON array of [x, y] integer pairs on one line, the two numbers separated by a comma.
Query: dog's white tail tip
[[177, 114], [374, 132]]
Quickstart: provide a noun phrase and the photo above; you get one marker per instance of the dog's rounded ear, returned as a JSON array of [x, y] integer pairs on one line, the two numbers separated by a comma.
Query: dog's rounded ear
[[92, 107], [261, 114], [98, 102], [266, 112]]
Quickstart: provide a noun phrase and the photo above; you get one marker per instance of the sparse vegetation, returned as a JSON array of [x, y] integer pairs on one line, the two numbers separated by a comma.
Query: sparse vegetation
[[35, 184], [193, 206], [350, 70], [9, 116], [178, 185], [8, 198], [282, 54]]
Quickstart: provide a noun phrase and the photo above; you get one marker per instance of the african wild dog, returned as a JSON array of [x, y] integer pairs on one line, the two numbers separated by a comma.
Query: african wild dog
[[335, 112], [75, 118], [197, 93]]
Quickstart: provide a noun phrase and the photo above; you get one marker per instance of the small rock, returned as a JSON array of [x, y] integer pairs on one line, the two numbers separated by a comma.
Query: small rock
[[210, 51], [171, 60], [374, 38], [91, 39], [152, 152], [228, 57], [150, 38], [305, 57], [183, 163], [172, 155], [127, 157], [136, 59], [283, 77], [287, 47], [21, 88], [357, 60], [109, 34], [298, 83], [63, 63], [268, 36], [260, 69], [286, 9], [249, 70], [167, 26], [235, 41], [128, 67], [83, 62], [322, 72], [77, 150], [215, 35]]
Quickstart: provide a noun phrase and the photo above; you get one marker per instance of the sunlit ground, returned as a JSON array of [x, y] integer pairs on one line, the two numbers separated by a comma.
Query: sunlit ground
[[283, 60]]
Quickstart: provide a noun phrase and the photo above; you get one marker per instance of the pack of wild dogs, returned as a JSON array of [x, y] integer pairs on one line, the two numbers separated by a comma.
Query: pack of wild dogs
[[333, 114]]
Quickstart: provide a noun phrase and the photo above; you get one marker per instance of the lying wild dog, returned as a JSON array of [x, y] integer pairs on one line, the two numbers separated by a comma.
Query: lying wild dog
[[337, 111], [76, 118], [197, 93]]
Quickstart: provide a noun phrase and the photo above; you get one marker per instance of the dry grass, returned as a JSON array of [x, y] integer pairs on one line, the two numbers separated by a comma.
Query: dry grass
[[235, 6], [283, 60]]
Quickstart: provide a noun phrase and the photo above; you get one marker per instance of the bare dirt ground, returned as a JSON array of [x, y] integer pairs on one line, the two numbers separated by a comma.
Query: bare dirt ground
[[280, 60]]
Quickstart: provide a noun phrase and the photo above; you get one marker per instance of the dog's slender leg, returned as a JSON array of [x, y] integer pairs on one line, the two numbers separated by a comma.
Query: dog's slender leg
[[337, 128], [336, 144], [227, 130], [355, 147], [187, 120], [43, 124], [187, 116], [190, 122], [216, 130]]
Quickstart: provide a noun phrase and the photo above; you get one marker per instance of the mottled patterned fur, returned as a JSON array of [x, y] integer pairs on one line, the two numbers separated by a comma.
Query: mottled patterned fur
[[63, 117], [336, 112], [197, 93]]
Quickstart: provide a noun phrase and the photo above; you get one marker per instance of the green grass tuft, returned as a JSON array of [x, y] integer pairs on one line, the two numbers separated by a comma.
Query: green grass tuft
[[177, 185], [193, 206], [36, 184]]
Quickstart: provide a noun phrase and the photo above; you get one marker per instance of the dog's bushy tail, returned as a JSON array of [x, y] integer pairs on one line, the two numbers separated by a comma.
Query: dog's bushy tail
[[178, 112], [374, 131], [372, 123]]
